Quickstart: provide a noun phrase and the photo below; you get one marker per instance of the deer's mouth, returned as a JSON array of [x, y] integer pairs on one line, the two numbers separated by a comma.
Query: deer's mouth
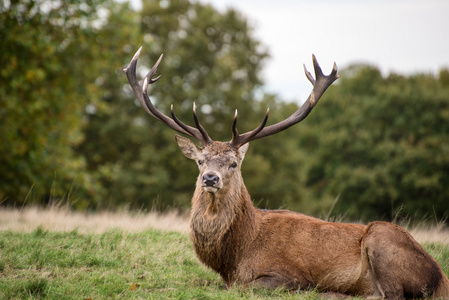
[[210, 189]]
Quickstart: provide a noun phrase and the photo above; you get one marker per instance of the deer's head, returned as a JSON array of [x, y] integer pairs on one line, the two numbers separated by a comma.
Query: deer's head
[[219, 162]]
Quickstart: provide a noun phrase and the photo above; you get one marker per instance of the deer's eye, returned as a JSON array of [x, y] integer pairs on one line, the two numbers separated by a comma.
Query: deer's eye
[[200, 162], [233, 165]]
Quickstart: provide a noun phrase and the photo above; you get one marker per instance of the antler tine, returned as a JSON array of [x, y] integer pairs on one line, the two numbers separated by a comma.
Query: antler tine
[[130, 72], [240, 140], [153, 70], [320, 83], [203, 132], [141, 91], [198, 133], [235, 132], [157, 114], [308, 75]]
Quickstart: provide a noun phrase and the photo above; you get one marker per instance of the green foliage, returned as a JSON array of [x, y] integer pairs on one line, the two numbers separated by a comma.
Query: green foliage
[[379, 144], [47, 58], [374, 147]]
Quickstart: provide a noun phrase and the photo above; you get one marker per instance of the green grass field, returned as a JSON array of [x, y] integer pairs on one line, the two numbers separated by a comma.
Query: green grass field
[[152, 264], [149, 265]]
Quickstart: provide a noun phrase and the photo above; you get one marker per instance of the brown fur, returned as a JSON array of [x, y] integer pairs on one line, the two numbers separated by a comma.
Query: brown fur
[[277, 248]]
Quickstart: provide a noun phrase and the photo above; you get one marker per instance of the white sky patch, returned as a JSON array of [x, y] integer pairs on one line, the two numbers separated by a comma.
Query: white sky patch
[[395, 35]]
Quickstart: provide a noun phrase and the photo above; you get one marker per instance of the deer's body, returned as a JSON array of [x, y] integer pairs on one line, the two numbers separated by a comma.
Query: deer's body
[[280, 248], [273, 248]]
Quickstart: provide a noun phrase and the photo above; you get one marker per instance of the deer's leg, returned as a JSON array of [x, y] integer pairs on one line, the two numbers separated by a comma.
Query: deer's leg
[[398, 265], [273, 280]]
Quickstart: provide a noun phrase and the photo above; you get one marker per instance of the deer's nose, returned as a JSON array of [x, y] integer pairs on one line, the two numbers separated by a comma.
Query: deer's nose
[[210, 179]]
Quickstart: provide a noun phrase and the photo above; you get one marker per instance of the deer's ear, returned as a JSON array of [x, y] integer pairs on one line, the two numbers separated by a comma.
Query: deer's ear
[[188, 148], [243, 149]]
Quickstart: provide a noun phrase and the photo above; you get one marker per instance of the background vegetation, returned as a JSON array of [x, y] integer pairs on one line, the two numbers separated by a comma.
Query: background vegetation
[[71, 130]]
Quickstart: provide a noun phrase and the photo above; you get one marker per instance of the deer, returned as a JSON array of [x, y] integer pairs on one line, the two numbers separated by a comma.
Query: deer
[[251, 247]]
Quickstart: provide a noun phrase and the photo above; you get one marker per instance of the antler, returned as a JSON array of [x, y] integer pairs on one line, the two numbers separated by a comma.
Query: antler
[[320, 85], [141, 91]]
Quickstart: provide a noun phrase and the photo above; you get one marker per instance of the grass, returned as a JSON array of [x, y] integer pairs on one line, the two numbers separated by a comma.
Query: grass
[[147, 265], [63, 220], [121, 264]]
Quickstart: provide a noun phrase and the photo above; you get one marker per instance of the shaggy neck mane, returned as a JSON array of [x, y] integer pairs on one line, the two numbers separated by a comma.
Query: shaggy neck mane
[[222, 225]]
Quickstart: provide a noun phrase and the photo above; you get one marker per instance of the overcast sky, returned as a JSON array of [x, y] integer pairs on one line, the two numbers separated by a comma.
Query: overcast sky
[[404, 36]]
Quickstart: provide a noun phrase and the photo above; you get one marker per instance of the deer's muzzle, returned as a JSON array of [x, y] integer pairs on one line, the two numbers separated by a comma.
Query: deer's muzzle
[[211, 181]]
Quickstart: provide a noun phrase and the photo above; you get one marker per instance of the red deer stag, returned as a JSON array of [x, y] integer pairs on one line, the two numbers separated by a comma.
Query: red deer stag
[[280, 248]]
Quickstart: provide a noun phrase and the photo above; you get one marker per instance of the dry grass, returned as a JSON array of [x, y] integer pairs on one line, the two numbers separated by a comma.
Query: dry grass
[[63, 220], [436, 234]]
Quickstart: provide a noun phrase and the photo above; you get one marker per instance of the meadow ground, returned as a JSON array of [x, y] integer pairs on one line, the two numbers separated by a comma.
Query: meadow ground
[[56, 254]]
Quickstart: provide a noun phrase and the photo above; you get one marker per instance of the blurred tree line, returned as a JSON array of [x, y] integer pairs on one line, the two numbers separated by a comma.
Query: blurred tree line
[[72, 131]]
